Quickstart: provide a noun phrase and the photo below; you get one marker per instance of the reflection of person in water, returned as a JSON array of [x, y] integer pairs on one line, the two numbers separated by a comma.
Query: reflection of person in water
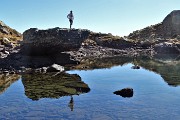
[[136, 66], [71, 104]]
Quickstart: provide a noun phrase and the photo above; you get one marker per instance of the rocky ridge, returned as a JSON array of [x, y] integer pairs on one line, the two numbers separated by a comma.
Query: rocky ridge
[[164, 37], [9, 34]]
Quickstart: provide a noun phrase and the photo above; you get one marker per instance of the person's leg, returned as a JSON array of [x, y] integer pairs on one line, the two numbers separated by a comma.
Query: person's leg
[[71, 22]]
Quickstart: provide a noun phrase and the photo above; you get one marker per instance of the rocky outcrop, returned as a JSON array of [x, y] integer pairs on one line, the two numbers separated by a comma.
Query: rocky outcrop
[[171, 25], [168, 29], [39, 86], [8, 33], [163, 37], [56, 40], [9, 39], [52, 41]]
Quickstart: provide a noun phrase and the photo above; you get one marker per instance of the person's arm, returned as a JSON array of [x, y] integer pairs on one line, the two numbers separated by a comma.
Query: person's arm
[[68, 16]]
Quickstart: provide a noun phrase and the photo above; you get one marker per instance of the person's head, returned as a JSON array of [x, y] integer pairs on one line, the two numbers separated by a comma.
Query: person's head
[[71, 11]]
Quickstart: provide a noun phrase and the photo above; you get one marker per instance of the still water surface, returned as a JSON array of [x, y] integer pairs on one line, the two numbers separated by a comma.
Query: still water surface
[[153, 98]]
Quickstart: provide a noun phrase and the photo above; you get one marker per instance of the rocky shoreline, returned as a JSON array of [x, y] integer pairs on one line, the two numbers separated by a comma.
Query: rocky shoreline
[[40, 49]]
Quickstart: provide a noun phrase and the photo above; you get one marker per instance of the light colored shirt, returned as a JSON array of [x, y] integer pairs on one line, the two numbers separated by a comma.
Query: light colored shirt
[[70, 16]]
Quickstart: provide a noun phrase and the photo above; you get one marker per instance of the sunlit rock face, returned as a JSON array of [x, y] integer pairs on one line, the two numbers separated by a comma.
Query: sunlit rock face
[[171, 24], [164, 37], [39, 86], [168, 29], [9, 33]]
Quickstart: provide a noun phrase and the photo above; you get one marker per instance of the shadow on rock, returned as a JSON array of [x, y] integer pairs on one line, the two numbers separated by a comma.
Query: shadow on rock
[[52, 85]]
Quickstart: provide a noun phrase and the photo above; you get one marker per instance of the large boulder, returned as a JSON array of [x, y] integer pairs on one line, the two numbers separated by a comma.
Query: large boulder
[[52, 41], [171, 24]]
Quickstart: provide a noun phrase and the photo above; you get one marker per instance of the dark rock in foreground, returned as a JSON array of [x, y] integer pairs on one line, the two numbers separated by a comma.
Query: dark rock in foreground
[[126, 92]]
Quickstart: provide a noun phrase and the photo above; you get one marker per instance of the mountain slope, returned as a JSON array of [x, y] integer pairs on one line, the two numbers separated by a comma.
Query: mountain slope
[[9, 34], [168, 29]]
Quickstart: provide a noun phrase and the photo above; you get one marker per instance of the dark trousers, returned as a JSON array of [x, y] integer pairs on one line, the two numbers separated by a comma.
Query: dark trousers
[[71, 22]]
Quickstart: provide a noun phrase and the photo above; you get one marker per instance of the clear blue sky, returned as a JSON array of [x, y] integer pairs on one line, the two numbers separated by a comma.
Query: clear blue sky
[[119, 17]]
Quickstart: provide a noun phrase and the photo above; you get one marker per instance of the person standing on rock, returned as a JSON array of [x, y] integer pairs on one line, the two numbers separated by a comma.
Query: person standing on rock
[[70, 16]]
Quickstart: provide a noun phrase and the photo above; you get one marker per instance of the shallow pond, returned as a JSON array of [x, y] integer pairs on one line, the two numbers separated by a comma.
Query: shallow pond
[[155, 95]]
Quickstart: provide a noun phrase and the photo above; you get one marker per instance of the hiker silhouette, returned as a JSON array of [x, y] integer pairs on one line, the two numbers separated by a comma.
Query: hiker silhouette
[[70, 16]]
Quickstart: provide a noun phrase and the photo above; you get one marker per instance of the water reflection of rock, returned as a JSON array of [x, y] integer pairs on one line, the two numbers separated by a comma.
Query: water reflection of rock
[[53, 86], [168, 66], [168, 69], [6, 80], [99, 63]]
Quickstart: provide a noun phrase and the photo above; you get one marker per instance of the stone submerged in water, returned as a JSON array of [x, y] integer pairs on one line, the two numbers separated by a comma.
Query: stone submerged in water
[[126, 92]]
